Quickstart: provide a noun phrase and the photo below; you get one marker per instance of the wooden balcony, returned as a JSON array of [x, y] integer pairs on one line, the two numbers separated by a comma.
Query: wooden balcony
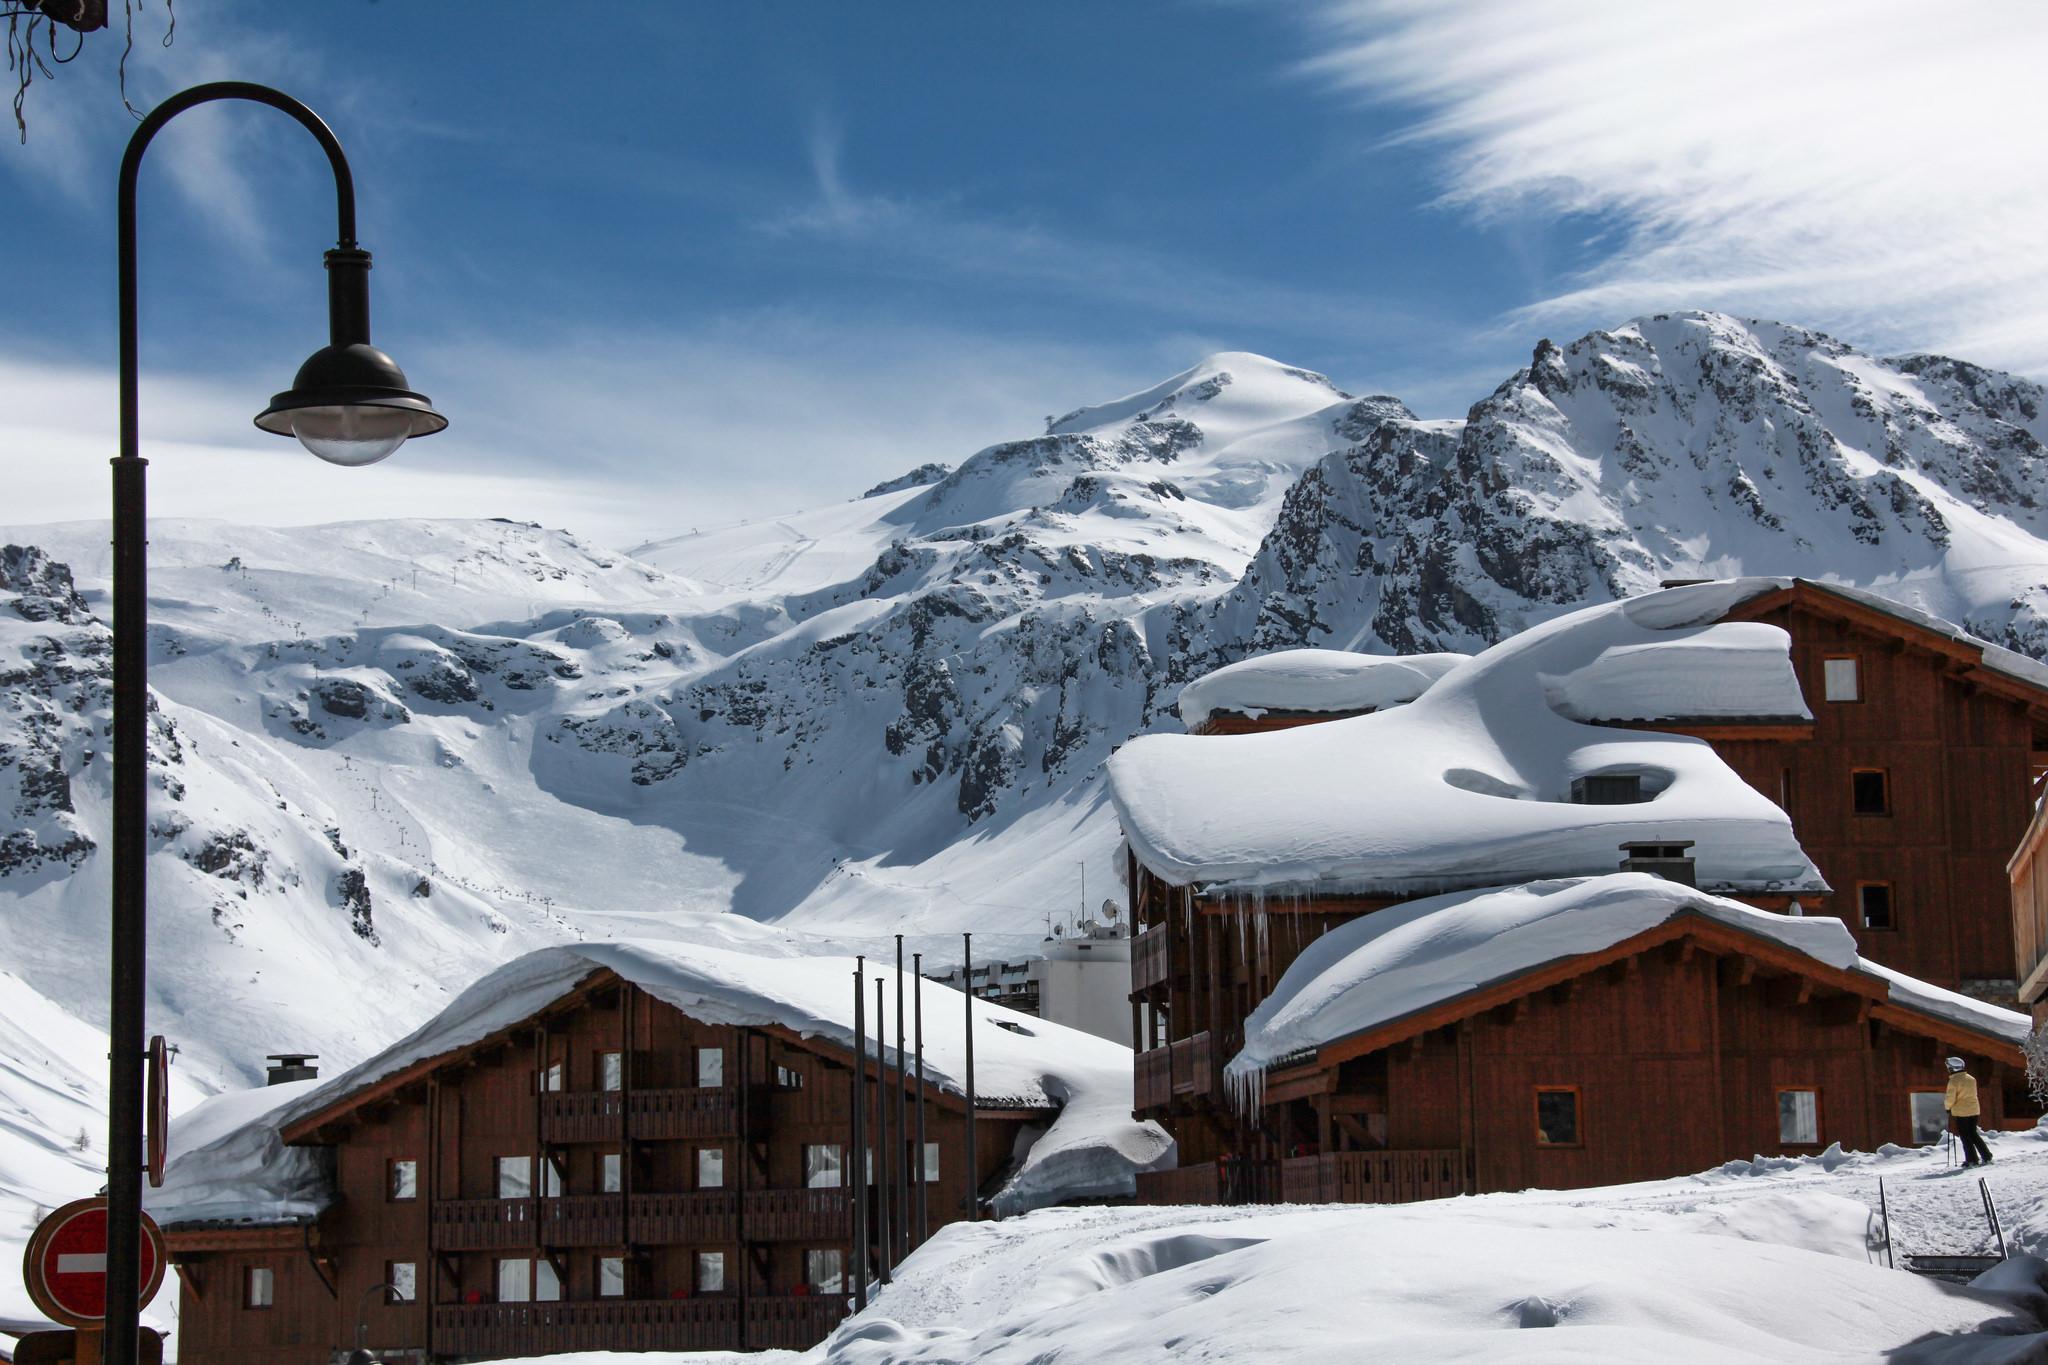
[[583, 1116], [799, 1216], [488, 1330], [583, 1220], [1189, 1069], [482, 1224], [673, 1219], [1372, 1177], [1151, 962], [696, 1112], [794, 1323]]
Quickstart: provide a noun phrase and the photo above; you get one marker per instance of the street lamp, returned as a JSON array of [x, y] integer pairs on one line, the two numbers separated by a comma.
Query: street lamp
[[349, 405]]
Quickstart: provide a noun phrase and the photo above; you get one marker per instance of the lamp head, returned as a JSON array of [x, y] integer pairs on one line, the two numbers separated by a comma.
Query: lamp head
[[350, 406]]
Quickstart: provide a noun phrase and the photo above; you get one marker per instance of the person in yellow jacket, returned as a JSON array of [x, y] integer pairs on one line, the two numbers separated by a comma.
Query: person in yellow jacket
[[1963, 1109]]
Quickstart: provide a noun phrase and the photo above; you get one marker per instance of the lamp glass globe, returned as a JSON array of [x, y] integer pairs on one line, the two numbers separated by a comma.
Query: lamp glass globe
[[352, 434]]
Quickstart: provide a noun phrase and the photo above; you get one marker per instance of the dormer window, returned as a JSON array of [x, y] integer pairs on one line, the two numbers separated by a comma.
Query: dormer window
[[1608, 789]]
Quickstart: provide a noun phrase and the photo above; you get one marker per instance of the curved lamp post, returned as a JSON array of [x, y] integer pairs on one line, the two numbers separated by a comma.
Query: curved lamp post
[[350, 406]]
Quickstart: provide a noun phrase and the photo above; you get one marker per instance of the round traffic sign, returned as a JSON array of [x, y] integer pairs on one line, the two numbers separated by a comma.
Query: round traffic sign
[[65, 1266]]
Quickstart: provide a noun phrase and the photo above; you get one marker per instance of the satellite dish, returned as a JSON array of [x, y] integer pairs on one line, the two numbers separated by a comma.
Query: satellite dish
[[1109, 911]]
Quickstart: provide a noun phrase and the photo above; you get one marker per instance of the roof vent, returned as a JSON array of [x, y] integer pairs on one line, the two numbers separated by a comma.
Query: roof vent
[[291, 1066], [1668, 859], [1609, 789]]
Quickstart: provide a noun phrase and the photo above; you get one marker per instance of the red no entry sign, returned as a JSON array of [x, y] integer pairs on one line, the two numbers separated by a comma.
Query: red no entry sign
[[65, 1266]]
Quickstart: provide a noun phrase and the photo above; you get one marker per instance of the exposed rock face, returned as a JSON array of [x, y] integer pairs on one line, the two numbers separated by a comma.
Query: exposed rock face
[[919, 477]]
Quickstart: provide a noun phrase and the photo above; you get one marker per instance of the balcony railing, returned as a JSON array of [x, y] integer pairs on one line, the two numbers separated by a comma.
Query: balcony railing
[[793, 1323], [583, 1220], [482, 1224], [1187, 1069], [799, 1215], [1372, 1177], [1151, 963], [583, 1116], [697, 1112], [519, 1329], [700, 1216]]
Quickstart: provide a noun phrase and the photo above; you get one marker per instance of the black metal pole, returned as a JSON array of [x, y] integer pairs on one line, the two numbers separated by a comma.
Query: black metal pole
[[971, 1176], [854, 1169], [130, 915], [924, 1221], [882, 1138], [902, 1224]]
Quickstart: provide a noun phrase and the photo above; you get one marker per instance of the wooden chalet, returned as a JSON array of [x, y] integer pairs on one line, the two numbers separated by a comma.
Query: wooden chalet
[[2028, 871], [1905, 754], [606, 1172], [1912, 784], [1671, 1050]]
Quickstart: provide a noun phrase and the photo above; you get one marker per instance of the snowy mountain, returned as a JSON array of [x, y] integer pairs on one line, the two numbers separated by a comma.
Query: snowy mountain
[[391, 755], [1691, 445]]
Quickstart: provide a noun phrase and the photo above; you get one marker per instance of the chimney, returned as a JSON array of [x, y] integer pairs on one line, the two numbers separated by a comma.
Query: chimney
[[1670, 859], [291, 1066]]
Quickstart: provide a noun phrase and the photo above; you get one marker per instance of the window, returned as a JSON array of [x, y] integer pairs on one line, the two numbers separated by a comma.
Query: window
[[515, 1280], [1799, 1118], [1874, 903], [404, 1279], [710, 1168], [611, 1071], [550, 1178], [931, 1163], [547, 1283], [788, 1078], [610, 1177], [825, 1271], [710, 1272], [1608, 789], [551, 1079], [1871, 791], [824, 1166], [1785, 789], [405, 1181], [711, 1066], [1557, 1116], [1929, 1114], [1840, 680], [611, 1277], [259, 1291], [515, 1177]]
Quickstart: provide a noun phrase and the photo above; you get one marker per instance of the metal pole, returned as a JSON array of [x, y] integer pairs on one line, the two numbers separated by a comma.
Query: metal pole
[[924, 1221], [882, 1138], [970, 1176], [129, 926], [854, 1169], [902, 1224]]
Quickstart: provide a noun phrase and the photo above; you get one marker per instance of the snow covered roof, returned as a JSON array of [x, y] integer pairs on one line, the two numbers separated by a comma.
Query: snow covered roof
[[1091, 1147], [1312, 680], [1470, 783], [1394, 963]]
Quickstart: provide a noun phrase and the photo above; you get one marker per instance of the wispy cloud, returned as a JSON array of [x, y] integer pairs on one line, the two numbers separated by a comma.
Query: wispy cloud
[[1869, 165], [949, 237]]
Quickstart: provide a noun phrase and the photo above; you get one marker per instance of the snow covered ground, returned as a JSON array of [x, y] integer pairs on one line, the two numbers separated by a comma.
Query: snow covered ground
[[1770, 1261]]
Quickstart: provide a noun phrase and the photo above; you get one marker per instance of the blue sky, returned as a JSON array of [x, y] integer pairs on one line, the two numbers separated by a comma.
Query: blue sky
[[674, 264]]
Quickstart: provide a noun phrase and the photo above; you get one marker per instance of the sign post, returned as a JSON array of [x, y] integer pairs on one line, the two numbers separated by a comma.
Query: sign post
[[159, 1116], [65, 1272]]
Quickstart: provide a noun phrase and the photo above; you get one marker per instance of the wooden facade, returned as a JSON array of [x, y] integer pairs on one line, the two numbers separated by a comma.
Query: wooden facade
[[2028, 871], [608, 1174], [1948, 753], [1669, 1053]]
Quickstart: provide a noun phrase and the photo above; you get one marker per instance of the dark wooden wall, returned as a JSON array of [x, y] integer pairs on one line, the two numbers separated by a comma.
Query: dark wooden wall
[[1959, 759]]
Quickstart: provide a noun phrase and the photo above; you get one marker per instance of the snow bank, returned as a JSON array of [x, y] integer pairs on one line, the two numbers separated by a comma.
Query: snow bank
[[1733, 670], [1091, 1147], [1381, 967], [1312, 680], [228, 1164], [1469, 784]]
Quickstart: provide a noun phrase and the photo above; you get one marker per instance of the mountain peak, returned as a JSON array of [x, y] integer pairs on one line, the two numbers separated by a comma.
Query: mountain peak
[[1253, 389]]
